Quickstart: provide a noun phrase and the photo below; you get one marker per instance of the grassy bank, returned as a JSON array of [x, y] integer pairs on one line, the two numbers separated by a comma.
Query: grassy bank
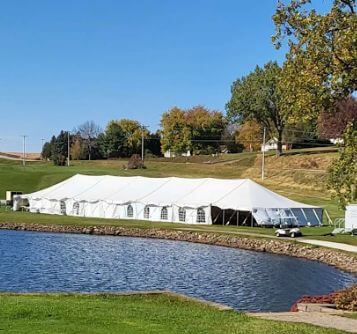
[[130, 314], [320, 233]]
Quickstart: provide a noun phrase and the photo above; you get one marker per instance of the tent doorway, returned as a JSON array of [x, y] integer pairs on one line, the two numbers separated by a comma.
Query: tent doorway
[[232, 217]]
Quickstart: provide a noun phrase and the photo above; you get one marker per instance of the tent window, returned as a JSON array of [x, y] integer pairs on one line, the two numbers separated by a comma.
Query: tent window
[[201, 216], [130, 211], [147, 212], [63, 207], [182, 214], [76, 208], [164, 214]]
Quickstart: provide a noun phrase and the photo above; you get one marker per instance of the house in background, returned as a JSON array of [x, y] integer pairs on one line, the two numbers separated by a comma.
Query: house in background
[[336, 141], [272, 144], [172, 154]]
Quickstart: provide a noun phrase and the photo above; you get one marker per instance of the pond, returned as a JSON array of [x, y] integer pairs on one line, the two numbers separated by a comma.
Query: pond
[[245, 280]]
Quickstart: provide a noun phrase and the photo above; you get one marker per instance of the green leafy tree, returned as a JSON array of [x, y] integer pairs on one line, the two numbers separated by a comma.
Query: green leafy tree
[[301, 134], [47, 150], [112, 141], [343, 171], [321, 64], [175, 134], [256, 97], [197, 129], [132, 131], [122, 138], [206, 127], [60, 149]]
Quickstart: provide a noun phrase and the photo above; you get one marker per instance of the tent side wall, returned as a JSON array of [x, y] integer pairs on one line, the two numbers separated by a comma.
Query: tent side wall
[[102, 209], [294, 216]]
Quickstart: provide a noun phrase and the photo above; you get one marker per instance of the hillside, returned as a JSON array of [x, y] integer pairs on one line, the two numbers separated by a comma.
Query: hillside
[[299, 175]]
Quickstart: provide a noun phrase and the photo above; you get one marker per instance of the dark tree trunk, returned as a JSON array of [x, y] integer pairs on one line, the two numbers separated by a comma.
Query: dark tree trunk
[[279, 149]]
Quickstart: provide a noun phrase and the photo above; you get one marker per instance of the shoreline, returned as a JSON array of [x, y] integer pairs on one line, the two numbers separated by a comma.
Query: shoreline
[[335, 258]]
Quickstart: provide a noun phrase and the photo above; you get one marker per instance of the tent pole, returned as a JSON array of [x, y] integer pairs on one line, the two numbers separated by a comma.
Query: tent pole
[[251, 219], [223, 217], [237, 217], [328, 217], [317, 217], [230, 217]]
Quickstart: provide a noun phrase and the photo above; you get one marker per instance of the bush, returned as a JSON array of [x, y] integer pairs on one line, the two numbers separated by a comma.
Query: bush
[[347, 299], [135, 162]]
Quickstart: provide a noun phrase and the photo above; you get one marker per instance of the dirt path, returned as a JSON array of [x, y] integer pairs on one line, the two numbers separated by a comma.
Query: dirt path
[[329, 244], [313, 318], [9, 157]]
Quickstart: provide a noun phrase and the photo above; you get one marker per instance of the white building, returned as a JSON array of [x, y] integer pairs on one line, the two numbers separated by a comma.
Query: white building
[[171, 154], [351, 217], [271, 144]]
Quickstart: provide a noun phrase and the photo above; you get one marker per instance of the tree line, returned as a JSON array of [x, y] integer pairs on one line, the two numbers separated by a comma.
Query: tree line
[[199, 130], [120, 138]]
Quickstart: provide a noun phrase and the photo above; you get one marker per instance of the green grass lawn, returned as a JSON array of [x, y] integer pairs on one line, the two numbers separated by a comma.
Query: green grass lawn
[[319, 233], [130, 314]]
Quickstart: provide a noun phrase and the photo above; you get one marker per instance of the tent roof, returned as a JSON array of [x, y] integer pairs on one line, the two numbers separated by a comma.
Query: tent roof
[[237, 194]]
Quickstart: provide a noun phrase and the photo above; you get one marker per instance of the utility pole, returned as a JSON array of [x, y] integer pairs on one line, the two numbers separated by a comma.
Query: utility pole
[[68, 148], [24, 150], [142, 144], [143, 127], [42, 142], [263, 157]]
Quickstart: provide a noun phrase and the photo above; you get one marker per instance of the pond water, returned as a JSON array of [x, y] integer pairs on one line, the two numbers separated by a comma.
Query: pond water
[[245, 280]]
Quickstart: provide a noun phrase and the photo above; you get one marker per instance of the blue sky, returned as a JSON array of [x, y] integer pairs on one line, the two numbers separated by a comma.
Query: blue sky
[[65, 62]]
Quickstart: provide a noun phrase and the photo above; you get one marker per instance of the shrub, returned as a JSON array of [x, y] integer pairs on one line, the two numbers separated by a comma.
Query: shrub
[[135, 162], [347, 299]]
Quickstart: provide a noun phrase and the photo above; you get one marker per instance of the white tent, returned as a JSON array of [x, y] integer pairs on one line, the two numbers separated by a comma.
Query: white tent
[[174, 199]]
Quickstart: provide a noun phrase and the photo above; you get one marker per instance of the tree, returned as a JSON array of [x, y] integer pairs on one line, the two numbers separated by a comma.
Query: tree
[[132, 131], [175, 134], [152, 143], [321, 64], [301, 135], [77, 149], [112, 141], [89, 132], [343, 171], [46, 151], [206, 127], [59, 145], [122, 138], [250, 135], [198, 129], [256, 97], [332, 124], [229, 141]]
